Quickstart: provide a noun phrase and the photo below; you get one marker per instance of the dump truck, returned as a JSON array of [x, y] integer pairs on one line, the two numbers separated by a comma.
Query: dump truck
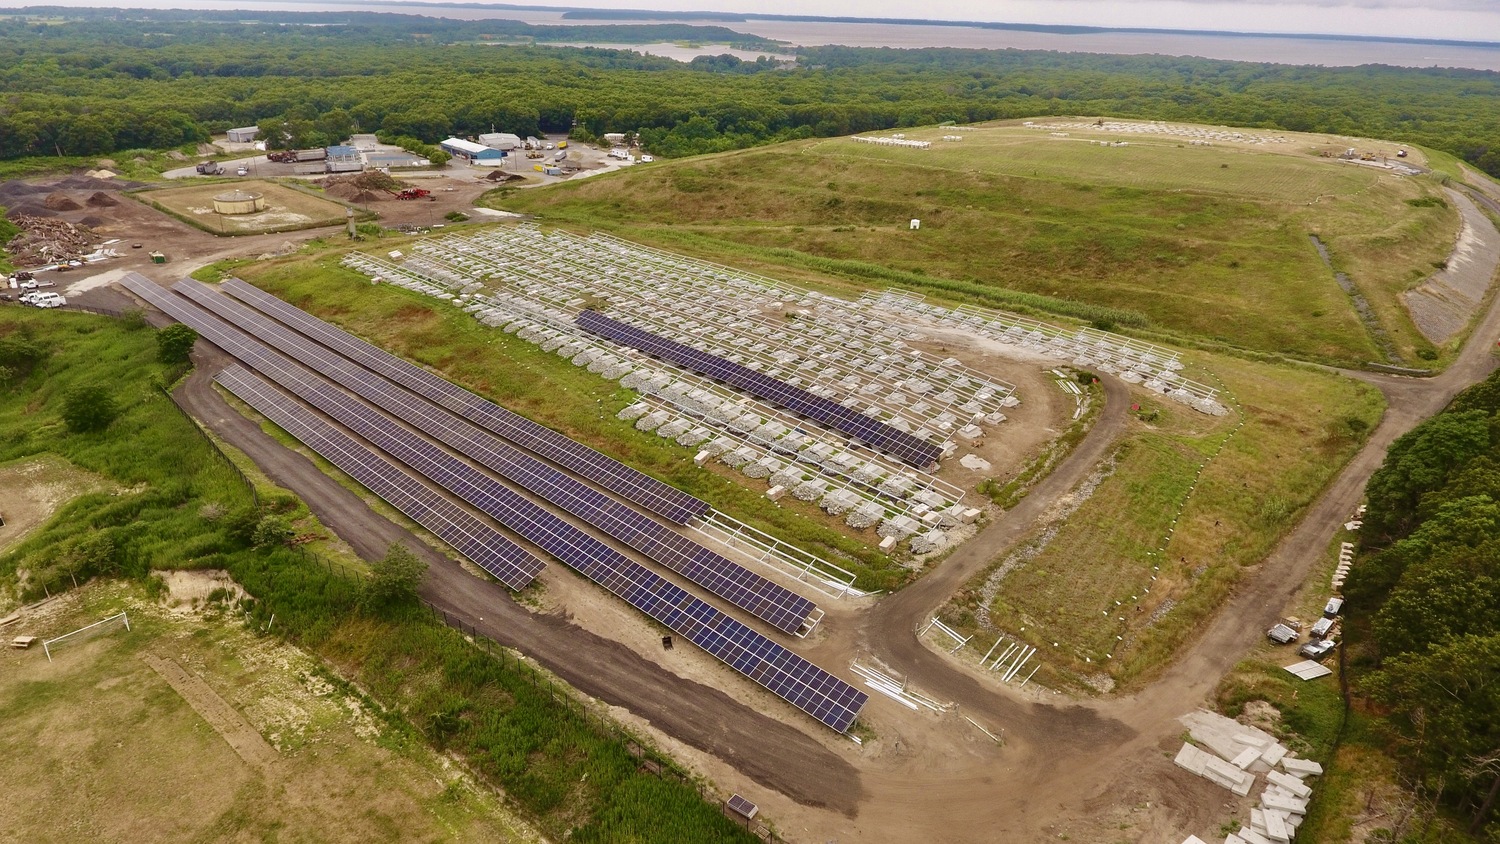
[[209, 168], [296, 156]]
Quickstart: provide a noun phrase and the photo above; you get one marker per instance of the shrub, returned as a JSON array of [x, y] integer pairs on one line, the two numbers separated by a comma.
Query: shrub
[[174, 343], [394, 578], [89, 408]]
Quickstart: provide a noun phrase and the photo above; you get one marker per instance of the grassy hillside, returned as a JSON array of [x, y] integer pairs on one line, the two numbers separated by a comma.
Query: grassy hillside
[[1208, 241]]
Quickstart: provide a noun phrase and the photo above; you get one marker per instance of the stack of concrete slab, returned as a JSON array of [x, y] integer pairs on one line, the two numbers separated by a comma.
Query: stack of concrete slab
[[1214, 769], [1246, 751]]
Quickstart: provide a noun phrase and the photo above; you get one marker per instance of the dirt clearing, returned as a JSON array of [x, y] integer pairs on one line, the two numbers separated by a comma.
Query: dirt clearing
[[31, 490], [102, 747]]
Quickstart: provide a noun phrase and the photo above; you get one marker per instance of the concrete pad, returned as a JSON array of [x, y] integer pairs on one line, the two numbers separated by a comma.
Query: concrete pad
[[1273, 754], [1246, 757], [1300, 767], [1276, 827], [1290, 783], [1284, 803]]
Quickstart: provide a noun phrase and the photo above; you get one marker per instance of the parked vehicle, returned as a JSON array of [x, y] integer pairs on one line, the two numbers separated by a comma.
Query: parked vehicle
[[243, 171], [646, 159], [48, 300], [29, 284], [209, 168]]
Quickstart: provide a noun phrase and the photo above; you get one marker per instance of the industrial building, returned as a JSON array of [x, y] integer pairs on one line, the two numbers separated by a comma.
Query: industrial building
[[344, 159], [472, 152], [243, 135], [503, 141], [397, 160]]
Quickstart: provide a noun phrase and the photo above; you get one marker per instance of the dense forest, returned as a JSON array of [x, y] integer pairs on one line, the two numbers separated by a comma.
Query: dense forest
[[85, 85], [1424, 637]]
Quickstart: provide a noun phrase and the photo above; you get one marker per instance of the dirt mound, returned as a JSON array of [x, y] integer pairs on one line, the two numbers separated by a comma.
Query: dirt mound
[[100, 199], [91, 222], [500, 176], [15, 192], [363, 187], [29, 209], [89, 183], [176, 156], [60, 201]]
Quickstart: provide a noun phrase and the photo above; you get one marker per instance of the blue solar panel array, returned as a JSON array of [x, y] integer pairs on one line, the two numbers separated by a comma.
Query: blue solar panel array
[[913, 450], [487, 548], [507, 561], [753, 593], [808, 687], [660, 498]]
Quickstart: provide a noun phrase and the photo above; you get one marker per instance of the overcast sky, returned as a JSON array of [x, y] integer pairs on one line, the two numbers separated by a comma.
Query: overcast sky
[[1467, 20]]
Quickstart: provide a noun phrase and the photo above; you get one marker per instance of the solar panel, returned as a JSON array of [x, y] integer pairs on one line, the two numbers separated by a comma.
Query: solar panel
[[508, 562], [491, 551], [913, 450], [794, 679], [658, 497], [763, 598]]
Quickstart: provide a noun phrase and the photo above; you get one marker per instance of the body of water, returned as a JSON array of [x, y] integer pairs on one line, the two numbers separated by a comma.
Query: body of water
[[1282, 50]]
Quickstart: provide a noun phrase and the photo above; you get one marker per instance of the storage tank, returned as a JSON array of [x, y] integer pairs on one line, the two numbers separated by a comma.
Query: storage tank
[[239, 202]]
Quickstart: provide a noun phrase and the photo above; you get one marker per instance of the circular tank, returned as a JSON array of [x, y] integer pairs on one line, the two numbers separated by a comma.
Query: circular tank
[[239, 202]]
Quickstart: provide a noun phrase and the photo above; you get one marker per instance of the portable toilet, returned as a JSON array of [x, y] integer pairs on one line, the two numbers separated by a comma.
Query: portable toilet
[[158, 258], [916, 224]]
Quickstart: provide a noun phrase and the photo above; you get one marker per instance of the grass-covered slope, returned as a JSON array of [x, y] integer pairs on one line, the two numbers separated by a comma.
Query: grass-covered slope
[[1206, 241]]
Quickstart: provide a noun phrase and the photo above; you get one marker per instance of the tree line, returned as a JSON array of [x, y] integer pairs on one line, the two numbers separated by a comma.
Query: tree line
[[1424, 633], [107, 83]]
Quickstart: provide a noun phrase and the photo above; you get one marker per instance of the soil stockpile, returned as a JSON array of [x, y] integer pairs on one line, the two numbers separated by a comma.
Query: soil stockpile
[[100, 199], [60, 201]]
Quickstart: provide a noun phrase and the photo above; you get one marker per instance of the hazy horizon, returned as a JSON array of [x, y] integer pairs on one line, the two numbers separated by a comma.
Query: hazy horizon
[[1460, 20]]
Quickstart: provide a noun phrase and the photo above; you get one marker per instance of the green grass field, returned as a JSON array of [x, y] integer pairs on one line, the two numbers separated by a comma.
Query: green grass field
[[1207, 242], [1177, 539]]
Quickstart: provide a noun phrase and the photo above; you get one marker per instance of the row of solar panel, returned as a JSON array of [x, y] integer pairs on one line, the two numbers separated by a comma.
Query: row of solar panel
[[815, 691], [490, 550], [660, 498], [753, 593], [913, 450]]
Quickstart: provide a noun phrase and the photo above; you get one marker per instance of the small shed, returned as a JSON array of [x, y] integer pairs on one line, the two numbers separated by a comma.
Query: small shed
[[239, 202], [243, 135]]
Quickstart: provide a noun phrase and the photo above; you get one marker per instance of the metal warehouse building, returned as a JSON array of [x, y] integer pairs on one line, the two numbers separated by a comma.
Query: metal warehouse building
[[470, 151], [244, 134]]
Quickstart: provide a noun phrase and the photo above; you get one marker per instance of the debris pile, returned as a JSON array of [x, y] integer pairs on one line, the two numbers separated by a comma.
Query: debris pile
[[45, 240]]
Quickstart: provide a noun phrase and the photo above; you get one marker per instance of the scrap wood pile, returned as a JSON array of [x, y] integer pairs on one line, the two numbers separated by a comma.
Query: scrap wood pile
[[46, 240], [361, 187]]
